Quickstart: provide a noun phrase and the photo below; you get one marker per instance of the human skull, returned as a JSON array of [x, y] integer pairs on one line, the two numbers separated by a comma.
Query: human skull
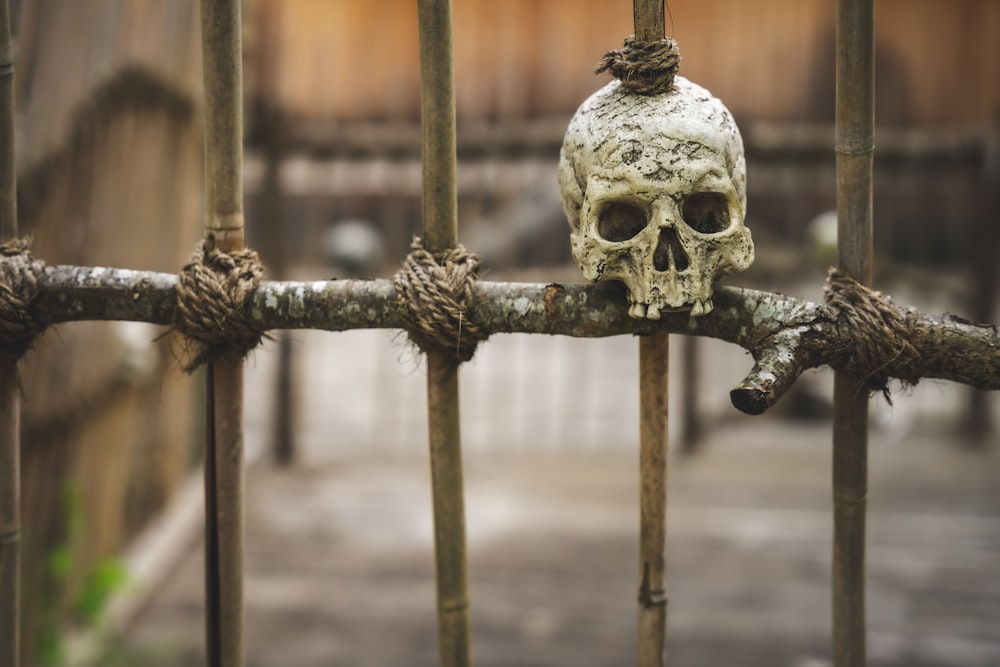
[[654, 188]]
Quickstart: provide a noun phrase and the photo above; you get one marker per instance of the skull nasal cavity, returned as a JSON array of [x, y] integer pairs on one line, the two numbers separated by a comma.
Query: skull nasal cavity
[[669, 252]]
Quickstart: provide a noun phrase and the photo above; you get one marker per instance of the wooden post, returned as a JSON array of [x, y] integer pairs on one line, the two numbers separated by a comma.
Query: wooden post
[[222, 53], [855, 119], [10, 441], [654, 353], [439, 214]]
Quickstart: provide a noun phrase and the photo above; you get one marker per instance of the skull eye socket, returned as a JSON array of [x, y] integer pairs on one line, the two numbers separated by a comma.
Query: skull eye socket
[[706, 212], [620, 221]]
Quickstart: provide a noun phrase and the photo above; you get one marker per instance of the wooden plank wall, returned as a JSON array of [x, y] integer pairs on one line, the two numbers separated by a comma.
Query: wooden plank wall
[[939, 60], [110, 174]]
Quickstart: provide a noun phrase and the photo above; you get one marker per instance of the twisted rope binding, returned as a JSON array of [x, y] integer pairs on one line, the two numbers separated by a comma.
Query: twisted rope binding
[[878, 331], [19, 274], [436, 291], [644, 68], [212, 291]]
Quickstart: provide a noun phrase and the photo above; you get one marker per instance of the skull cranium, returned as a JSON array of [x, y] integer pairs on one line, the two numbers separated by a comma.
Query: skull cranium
[[654, 188]]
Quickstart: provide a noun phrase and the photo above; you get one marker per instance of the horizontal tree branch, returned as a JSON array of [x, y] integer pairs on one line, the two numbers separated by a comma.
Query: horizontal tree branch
[[785, 335]]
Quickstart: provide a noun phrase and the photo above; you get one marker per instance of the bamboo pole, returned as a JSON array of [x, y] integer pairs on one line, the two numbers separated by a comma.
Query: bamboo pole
[[855, 120], [653, 364], [439, 216], [10, 445], [222, 53], [654, 353]]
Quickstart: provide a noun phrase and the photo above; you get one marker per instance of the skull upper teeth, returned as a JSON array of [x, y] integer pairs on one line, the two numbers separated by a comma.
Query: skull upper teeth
[[701, 307]]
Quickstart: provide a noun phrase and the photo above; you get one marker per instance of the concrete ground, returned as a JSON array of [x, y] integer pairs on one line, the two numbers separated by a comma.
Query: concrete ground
[[339, 566]]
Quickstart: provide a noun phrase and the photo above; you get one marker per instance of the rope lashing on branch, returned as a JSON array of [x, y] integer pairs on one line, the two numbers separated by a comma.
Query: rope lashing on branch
[[436, 292], [644, 68], [19, 273], [876, 334], [212, 291]]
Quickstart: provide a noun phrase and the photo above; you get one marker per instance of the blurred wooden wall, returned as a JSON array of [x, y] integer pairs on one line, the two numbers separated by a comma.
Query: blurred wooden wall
[[110, 174], [769, 60]]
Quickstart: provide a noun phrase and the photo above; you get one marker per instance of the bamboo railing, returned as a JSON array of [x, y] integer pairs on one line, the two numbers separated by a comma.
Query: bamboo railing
[[222, 54], [786, 335], [439, 217], [855, 148]]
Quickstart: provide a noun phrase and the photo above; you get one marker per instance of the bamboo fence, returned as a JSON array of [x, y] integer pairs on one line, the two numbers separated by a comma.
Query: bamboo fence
[[439, 217], [855, 149], [785, 335], [222, 52]]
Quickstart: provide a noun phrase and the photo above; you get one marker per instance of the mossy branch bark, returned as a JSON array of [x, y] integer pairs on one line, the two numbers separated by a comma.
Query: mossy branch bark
[[784, 334]]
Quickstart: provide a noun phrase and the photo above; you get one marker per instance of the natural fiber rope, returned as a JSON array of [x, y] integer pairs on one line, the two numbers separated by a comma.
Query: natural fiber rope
[[212, 292], [878, 331], [437, 291], [644, 68], [19, 274]]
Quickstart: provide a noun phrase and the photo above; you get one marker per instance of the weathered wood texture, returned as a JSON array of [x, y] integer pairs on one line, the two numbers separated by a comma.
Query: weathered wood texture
[[523, 58], [109, 171]]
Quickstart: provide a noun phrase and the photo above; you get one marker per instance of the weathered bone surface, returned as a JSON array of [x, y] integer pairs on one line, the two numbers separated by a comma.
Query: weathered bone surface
[[654, 188]]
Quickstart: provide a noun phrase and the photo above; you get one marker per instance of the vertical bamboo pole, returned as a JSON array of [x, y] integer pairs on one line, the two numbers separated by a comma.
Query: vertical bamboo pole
[[222, 53], [439, 215], [10, 455], [855, 118], [653, 363], [654, 352]]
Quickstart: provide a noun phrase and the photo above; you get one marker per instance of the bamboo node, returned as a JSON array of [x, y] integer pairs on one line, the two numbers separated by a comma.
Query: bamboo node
[[644, 68], [650, 597], [213, 289], [10, 537], [653, 598], [435, 291], [875, 335], [19, 274]]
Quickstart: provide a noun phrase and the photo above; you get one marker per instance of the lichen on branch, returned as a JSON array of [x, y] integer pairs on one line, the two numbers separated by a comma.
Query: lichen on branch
[[785, 335]]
